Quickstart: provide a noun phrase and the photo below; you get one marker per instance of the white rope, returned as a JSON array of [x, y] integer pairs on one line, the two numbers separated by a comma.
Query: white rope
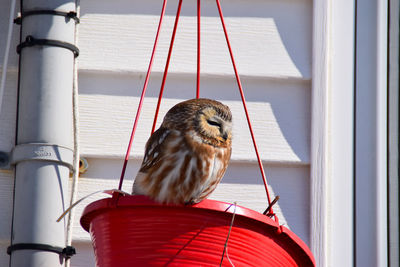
[[107, 191], [225, 251], [75, 173], [7, 51]]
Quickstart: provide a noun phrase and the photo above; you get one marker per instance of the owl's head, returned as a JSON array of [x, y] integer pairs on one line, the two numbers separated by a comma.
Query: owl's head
[[210, 121]]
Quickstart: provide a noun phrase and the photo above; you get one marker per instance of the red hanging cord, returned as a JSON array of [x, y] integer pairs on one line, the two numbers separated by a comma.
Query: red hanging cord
[[178, 12], [198, 88], [245, 108], [198, 49], [142, 97]]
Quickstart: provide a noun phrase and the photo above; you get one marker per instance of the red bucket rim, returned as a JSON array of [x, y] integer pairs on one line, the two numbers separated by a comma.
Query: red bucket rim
[[129, 201]]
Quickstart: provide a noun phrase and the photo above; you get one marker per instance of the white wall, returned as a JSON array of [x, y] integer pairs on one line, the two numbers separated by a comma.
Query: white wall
[[272, 45]]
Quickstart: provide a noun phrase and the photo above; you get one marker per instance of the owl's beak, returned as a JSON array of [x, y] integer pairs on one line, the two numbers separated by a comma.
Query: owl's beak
[[225, 136], [225, 131]]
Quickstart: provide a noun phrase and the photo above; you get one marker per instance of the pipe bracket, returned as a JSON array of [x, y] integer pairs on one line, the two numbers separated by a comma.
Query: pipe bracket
[[69, 15], [31, 41], [42, 152], [66, 252]]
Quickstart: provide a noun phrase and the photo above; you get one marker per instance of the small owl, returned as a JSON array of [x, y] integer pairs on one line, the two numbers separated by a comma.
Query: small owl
[[187, 156]]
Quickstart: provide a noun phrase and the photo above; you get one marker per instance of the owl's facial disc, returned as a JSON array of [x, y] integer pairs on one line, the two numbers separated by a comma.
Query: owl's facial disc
[[213, 126]]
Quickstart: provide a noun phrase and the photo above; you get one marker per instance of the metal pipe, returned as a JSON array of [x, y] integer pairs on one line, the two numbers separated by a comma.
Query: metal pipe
[[44, 125]]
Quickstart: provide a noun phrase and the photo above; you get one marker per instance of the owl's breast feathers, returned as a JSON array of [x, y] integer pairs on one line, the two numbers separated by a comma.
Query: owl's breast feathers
[[180, 168], [215, 161]]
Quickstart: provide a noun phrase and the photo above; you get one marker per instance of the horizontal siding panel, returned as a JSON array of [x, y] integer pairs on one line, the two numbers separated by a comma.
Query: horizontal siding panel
[[242, 183], [4, 258], [6, 205], [84, 255], [269, 38], [279, 114], [266, 43], [4, 21]]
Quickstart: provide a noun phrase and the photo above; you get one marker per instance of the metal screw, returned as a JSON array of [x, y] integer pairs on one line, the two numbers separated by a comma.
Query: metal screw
[[4, 159], [83, 165]]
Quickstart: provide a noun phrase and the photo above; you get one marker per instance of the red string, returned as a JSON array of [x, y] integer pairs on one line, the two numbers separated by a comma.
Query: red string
[[178, 12], [198, 87], [245, 107], [198, 49], [142, 97]]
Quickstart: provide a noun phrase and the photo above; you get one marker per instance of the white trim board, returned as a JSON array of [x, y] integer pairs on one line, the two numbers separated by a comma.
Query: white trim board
[[332, 133], [319, 141], [341, 134]]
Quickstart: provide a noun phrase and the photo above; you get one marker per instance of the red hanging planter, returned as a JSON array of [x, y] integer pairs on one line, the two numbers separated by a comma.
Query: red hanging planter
[[135, 231]]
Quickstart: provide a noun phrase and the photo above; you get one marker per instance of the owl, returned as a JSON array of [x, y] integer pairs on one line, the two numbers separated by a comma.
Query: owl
[[187, 156]]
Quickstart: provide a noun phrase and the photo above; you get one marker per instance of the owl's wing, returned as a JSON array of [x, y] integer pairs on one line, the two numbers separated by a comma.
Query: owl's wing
[[154, 149]]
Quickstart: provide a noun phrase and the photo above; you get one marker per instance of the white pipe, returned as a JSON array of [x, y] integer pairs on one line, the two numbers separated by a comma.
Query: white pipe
[[45, 117]]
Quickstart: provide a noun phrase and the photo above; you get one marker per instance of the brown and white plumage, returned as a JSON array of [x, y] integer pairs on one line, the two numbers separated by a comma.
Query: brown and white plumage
[[187, 156]]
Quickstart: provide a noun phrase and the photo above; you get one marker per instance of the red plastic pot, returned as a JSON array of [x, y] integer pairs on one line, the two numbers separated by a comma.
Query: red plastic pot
[[135, 231]]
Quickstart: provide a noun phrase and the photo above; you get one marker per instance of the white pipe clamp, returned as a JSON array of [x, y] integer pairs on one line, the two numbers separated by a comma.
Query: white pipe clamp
[[42, 152]]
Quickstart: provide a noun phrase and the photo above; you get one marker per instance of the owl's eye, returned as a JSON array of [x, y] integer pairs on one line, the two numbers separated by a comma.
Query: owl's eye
[[214, 123]]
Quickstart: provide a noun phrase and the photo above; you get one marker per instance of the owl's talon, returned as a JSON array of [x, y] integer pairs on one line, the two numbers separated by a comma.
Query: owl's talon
[[190, 203]]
